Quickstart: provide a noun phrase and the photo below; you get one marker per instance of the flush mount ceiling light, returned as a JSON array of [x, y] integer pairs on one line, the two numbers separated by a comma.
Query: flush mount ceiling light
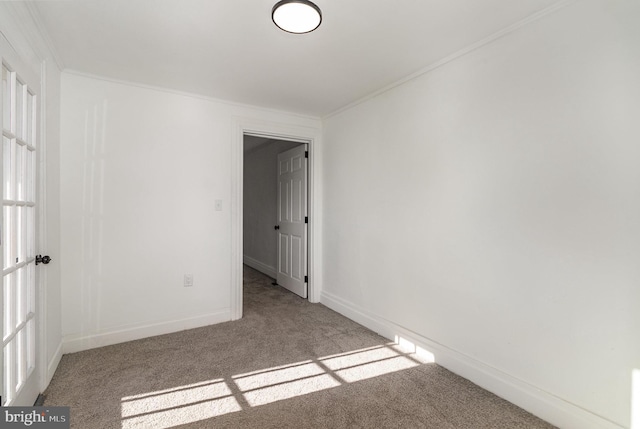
[[296, 16]]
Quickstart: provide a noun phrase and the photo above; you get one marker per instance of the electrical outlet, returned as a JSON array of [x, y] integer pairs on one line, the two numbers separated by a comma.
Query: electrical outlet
[[188, 280]]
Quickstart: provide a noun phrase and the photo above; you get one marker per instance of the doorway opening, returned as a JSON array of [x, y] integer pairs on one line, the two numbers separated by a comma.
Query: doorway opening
[[275, 210], [308, 135]]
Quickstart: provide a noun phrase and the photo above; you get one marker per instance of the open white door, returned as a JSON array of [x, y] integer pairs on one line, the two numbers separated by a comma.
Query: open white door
[[292, 220], [19, 93]]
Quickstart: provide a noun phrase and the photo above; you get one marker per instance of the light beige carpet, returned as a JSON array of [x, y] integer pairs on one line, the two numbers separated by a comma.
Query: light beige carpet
[[286, 364]]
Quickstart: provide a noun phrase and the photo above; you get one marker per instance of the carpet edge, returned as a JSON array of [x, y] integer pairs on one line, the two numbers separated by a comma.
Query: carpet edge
[[538, 402]]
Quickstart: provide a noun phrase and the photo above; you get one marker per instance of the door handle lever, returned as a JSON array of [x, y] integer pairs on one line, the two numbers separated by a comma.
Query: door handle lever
[[42, 259]]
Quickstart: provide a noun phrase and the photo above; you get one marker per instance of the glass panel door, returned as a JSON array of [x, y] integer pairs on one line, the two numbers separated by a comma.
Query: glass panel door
[[19, 108]]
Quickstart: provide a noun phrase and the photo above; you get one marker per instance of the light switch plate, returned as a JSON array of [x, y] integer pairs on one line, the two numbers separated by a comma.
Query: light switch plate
[[188, 280]]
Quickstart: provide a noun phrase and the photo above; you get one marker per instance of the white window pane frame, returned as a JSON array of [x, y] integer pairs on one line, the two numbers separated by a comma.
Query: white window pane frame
[[19, 106], [7, 79]]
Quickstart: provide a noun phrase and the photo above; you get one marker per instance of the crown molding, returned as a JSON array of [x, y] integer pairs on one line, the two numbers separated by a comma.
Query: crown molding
[[462, 52], [43, 34], [23, 29], [194, 95], [14, 33]]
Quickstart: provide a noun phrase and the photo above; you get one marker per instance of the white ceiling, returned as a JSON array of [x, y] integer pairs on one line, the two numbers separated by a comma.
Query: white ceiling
[[230, 49]]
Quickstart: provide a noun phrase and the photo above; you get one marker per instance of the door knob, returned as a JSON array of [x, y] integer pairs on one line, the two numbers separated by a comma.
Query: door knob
[[276, 227], [42, 259]]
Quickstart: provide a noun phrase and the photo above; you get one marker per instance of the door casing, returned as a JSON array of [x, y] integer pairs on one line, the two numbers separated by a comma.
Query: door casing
[[275, 131]]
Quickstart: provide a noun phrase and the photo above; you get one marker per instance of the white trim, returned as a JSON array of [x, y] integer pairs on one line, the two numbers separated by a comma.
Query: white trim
[[260, 266], [355, 313], [77, 343], [277, 131], [43, 34], [462, 52], [545, 405], [188, 94], [42, 242], [35, 44], [18, 35], [52, 366]]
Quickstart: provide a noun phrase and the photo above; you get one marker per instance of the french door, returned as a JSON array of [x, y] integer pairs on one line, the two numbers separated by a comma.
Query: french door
[[20, 377]]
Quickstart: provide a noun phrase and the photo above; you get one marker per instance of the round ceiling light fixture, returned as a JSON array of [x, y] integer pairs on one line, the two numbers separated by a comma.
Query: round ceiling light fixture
[[296, 16]]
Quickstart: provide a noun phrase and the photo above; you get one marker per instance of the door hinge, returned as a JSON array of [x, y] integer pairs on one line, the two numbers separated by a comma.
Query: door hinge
[[306, 219], [306, 279], [306, 154]]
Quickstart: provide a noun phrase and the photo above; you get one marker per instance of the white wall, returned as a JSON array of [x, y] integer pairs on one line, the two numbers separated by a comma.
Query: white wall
[[141, 169], [490, 209], [21, 29], [260, 206]]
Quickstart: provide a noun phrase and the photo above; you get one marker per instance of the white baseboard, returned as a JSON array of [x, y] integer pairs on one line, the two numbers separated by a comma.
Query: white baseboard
[[257, 265], [77, 343], [53, 365], [545, 405]]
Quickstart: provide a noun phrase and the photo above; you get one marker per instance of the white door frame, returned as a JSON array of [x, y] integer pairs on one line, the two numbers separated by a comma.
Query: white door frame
[[41, 234], [276, 131]]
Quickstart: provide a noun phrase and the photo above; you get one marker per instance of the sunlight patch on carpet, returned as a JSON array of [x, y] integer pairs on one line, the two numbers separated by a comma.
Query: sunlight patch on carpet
[[199, 401], [366, 364], [277, 375], [289, 381], [172, 407], [407, 346], [280, 391]]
